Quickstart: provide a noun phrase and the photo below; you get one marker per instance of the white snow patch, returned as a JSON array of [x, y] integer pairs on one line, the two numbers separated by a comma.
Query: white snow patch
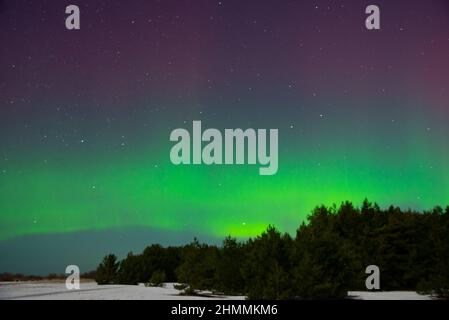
[[387, 295], [53, 290], [92, 291]]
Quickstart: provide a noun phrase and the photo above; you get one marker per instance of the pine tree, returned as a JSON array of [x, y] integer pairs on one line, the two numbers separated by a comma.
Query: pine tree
[[106, 272], [229, 264], [325, 265], [157, 279], [130, 271], [198, 269], [267, 265]]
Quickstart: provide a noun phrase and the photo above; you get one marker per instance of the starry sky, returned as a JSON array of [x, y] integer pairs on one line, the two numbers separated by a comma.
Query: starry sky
[[86, 117]]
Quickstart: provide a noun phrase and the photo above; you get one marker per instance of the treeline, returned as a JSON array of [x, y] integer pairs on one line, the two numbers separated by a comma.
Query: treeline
[[19, 277], [326, 259]]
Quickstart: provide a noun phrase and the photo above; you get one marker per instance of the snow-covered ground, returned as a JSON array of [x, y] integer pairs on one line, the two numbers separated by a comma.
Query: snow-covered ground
[[387, 295], [92, 291], [47, 290]]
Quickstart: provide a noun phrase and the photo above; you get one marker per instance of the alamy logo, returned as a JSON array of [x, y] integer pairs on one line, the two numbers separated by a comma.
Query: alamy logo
[[235, 141], [373, 280], [372, 22], [73, 280], [72, 22]]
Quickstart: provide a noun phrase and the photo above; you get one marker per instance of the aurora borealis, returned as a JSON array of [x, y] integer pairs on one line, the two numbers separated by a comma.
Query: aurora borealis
[[86, 115]]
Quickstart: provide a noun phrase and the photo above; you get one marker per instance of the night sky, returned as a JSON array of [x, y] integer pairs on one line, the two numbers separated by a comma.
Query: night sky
[[86, 117]]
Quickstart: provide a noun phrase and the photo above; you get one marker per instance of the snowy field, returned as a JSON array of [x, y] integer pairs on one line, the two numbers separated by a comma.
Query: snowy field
[[388, 295], [91, 291]]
